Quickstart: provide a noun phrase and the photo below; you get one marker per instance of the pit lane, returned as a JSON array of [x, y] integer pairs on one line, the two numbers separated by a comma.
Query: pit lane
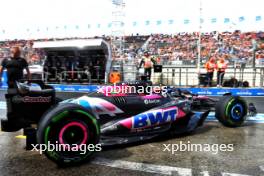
[[149, 158]]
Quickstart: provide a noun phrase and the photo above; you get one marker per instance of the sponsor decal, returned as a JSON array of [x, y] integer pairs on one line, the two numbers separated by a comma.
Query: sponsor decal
[[83, 89], [98, 106], [260, 93], [151, 101], [153, 118], [244, 93], [39, 99], [221, 93], [69, 89], [58, 88], [28, 99], [204, 93]]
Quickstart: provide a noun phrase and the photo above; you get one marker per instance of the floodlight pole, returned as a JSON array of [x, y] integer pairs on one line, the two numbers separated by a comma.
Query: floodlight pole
[[118, 31], [199, 42], [255, 48], [199, 53]]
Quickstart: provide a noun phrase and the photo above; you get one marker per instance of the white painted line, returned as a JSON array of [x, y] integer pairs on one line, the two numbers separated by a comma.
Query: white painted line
[[150, 168], [261, 168], [232, 174]]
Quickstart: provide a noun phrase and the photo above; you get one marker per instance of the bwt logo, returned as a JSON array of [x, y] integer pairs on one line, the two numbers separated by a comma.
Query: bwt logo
[[154, 118]]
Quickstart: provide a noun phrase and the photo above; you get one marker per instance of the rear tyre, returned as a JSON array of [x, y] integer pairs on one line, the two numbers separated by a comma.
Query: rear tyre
[[231, 111], [73, 130]]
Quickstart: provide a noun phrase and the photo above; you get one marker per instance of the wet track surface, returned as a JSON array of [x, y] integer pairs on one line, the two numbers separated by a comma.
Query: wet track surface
[[150, 158]]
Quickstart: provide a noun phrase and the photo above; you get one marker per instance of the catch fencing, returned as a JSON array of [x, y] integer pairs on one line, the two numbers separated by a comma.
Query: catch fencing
[[183, 75]]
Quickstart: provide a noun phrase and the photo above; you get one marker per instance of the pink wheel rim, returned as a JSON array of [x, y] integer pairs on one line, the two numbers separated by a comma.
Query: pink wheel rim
[[71, 124]]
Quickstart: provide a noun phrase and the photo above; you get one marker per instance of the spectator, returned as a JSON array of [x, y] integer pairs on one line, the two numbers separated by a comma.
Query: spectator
[[210, 67], [221, 66]]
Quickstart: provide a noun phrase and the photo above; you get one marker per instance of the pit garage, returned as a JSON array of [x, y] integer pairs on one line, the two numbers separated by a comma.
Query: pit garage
[[76, 61]]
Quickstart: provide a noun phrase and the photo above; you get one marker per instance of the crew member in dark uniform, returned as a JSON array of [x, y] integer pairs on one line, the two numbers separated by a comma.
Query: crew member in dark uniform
[[15, 66]]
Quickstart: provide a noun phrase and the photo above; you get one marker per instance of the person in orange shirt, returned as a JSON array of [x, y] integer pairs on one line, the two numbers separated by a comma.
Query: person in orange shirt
[[221, 66], [147, 61], [210, 67]]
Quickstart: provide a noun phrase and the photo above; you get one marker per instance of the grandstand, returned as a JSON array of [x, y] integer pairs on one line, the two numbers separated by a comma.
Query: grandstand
[[173, 50], [178, 47]]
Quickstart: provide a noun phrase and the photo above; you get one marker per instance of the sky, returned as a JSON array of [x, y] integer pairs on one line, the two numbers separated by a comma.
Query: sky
[[70, 18]]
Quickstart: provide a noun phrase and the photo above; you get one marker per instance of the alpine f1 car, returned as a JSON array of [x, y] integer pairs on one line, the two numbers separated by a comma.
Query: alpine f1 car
[[96, 118]]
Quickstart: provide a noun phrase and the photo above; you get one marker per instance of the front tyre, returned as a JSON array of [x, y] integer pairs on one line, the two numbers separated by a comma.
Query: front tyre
[[71, 133], [231, 111]]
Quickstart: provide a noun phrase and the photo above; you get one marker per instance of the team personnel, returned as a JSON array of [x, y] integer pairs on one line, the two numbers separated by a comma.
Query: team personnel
[[148, 62], [210, 68], [15, 66], [221, 66]]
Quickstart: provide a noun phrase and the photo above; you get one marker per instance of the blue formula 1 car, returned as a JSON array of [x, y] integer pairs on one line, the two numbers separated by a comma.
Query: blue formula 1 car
[[97, 119]]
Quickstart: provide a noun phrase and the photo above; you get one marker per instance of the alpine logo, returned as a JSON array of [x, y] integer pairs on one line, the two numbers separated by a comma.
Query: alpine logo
[[156, 117], [98, 106]]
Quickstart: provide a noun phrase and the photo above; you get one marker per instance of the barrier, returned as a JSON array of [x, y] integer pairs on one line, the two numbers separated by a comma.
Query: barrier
[[199, 91], [221, 91], [182, 77], [188, 76]]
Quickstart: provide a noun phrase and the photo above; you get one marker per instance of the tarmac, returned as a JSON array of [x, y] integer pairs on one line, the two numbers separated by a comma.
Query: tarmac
[[152, 157]]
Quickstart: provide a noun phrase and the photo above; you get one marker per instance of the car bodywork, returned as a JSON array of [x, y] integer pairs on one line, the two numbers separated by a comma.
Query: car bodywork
[[131, 118]]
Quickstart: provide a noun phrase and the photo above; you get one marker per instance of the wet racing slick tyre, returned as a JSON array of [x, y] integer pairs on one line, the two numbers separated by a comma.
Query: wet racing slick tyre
[[231, 111], [71, 132]]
